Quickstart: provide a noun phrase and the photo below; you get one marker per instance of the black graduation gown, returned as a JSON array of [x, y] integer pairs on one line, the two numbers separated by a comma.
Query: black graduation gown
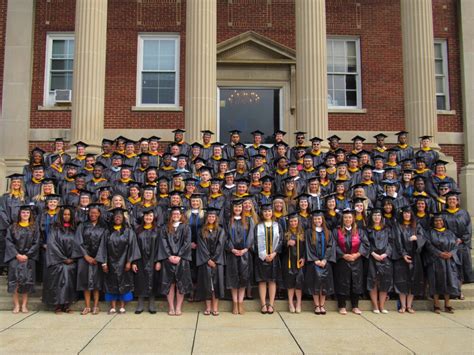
[[9, 207], [332, 222], [175, 243], [88, 240], [44, 223], [319, 279], [459, 223], [443, 276], [60, 285], [117, 249], [268, 271], [147, 278], [24, 241], [408, 278], [238, 271], [195, 224], [292, 273], [349, 274], [210, 279], [380, 273]]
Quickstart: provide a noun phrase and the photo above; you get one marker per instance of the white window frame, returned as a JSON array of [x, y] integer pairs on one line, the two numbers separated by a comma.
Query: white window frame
[[158, 36], [50, 37], [358, 74], [444, 55]]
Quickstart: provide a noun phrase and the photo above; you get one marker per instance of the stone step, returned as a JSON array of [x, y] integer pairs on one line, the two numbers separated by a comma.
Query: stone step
[[250, 305]]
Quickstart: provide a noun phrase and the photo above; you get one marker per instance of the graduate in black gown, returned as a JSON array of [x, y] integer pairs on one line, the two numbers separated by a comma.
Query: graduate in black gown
[[380, 275], [320, 255], [89, 236], [351, 246], [239, 241], [408, 274], [147, 268], [293, 259], [117, 252], [59, 288], [210, 262], [21, 255], [443, 263], [459, 222], [268, 245], [174, 253]]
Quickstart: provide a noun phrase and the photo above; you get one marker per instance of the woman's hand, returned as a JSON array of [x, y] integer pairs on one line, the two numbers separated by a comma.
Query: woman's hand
[[128, 266], [21, 258], [105, 268], [211, 263], [323, 263], [90, 260], [348, 257], [193, 245], [158, 266], [407, 259], [291, 243], [413, 238], [68, 261], [134, 268], [301, 263]]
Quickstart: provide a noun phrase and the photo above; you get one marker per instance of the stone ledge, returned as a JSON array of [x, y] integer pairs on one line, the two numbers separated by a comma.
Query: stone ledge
[[347, 110], [157, 108], [55, 108]]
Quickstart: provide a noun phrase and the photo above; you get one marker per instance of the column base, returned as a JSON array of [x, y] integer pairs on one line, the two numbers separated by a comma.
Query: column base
[[466, 180], [9, 166]]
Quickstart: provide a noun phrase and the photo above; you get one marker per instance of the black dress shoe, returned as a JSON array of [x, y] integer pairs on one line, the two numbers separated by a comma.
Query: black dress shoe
[[138, 311], [152, 312]]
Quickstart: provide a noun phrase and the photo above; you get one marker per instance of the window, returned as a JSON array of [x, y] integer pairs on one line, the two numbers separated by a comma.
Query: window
[[158, 70], [441, 75], [59, 65], [343, 62]]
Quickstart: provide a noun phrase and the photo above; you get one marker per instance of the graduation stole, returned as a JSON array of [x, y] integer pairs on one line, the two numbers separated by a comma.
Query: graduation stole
[[24, 224], [163, 195], [380, 149], [440, 229], [423, 193], [36, 181], [154, 153], [353, 170], [88, 169], [422, 171], [267, 241], [148, 226], [331, 170], [403, 146], [378, 228], [266, 193], [96, 181], [167, 168], [391, 163], [240, 196], [304, 214], [256, 184], [316, 153], [281, 172], [80, 157], [340, 197], [117, 228], [134, 201], [278, 215], [453, 211], [217, 195], [442, 177], [57, 168], [310, 170], [207, 145], [369, 182], [332, 213], [205, 184], [387, 215], [324, 182], [132, 155], [216, 158], [125, 180], [359, 217], [68, 179], [104, 155], [426, 149], [420, 215], [298, 266]]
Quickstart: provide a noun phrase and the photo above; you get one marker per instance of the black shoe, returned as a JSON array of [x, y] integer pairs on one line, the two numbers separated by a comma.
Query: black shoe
[[152, 311], [138, 311]]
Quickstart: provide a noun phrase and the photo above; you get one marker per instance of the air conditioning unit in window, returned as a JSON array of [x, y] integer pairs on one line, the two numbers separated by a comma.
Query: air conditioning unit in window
[[62, 96]]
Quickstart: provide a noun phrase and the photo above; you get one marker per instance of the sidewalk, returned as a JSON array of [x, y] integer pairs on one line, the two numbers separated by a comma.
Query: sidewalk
[[282, 332]]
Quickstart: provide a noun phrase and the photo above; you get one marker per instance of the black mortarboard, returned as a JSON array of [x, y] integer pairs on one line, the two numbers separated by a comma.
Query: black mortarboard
[[154, 139], [212, 210], [266, 206], [178, 130], [15, 176], [380, 135], [237, 201], [452, 193], [85, 192], [197, 145], [401, 133], [316, 139], [318, 213], [266, 178], [38, 149], [440, 162], [46, 181], [279, 131], [334, 137], [235, 131], [53, 197], [118, 210], [242, 181], [358, 138], [81, 144], [425, 137], [299, 133], [126, 166], [94, 205], [303, 196], [257, 133], [206, 131], [105, 188]]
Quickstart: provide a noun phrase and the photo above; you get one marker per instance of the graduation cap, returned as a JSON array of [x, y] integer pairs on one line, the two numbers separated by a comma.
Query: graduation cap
[[126, 166], [255, 170], [420, 159], [392, 150], [452, 193], [38, 150], [358, 200], [334, 137], [148, 188], [357, 186], [230, 172], [178, 130], [81, 144], [389, 182], [197, 145], [191, 180], [144, 154], [176, 208], [105, 188], [200, 160], [53, 157], [342, 163], [237, 201], [163, 178], [26, 207], [299, 133], [318, 212], [301, 148], [406, 208], [408, 171], [293, 163], [242, 181], [55, 197], [380, 136], [358, 138], [266, 207], [363, 152], [322, 166], [90, 155], [313, 178], [348, 211], [15, 176], [84, 192], [239, 144], [279, 131], [212, 210], [440, 163], [217, 144], [266, 178], [378, 157], [133, 183], [352, 157], [330, 196], [439, 214], [401, 133], [130, 142], [58, 139], [205, 168], [386, 199], [235, 131], [257, 133], [419, 177], [216, 180], [278, 197], [38, 167], [152, 167], [340, 182], [117, 155], [80, 175], [303, 196], [281, 144], [316, 139], [175, 193], [197, 195], [425, 137], [259, 156], [375, 210], [294, 214], [166, 155], [118, 210], [148, 210], [289, 179], [389, 168], [94, 205], [47, 181], [154, 139], [144, 139], [121, 139], [182, 156], [206, 131]]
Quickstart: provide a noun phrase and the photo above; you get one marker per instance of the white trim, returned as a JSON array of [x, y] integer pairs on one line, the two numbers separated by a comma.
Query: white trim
[[358, 74], [444, 54], [50, 37], [138, 95], [157, 108]]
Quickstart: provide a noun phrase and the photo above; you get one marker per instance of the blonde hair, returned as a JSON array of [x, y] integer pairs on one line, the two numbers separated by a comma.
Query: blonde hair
[[200, 209], [21, 194], [41, 196]]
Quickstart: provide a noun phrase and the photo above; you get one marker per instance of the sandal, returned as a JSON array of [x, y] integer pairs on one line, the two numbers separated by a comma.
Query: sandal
[[207, 312], [317, 310], [85, 311], [215, 313], [58, 310], [272, 309], [323, 310], [264, 309], [436, 309], [171, 312], [449, 309], [16, 310], [402, 310], [410, 310], [461, 297], [67, 310], [122, 310], [112, 311], [178, 313], [95, 311]]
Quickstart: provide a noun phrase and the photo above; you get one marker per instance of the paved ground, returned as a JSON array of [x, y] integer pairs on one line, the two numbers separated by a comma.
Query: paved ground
[[424, 332]]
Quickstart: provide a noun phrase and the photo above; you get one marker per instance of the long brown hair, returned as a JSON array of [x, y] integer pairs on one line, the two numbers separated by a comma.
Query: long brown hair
[[206, 228], [299, 232], [325, 229], [169, 225]]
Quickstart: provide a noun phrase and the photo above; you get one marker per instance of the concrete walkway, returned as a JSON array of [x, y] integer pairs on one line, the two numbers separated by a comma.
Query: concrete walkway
[[282, 332]]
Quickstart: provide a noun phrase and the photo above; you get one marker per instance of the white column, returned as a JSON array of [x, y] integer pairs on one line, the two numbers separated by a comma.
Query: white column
[[311, 68], [418, 69], [16, 101], [201, 91], [89, 72], [467, 58]]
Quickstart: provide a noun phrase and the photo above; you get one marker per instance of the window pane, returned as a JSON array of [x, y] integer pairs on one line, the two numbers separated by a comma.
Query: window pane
[[167, 80], [150, 80], [330, 82], [339, 48], [149, 96], [59, 48], [331, 98], [339, 82], [329, 47], [439, 66], [167, 48], [441, 102], [351, 82], [352, 64], [351, 98], [440, 85], [438, 50], [340, 98], [339, 64], [61, 81], [150, 55], [70, 48], [166, 63], [166, 96], [351, 49], [62, 64]]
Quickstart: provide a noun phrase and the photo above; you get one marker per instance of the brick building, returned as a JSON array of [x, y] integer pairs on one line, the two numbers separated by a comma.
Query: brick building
[[144, 67]]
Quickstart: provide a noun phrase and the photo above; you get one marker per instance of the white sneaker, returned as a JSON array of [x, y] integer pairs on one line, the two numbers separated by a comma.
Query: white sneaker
[[376, 311], [384, 311]]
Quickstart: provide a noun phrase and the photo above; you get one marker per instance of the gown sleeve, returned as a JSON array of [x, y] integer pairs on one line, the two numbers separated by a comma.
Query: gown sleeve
[[133, 249], [202, 253], [218, 256], [185, 250], [102, 253], [33, 252], [10, 248], [364, 248]]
